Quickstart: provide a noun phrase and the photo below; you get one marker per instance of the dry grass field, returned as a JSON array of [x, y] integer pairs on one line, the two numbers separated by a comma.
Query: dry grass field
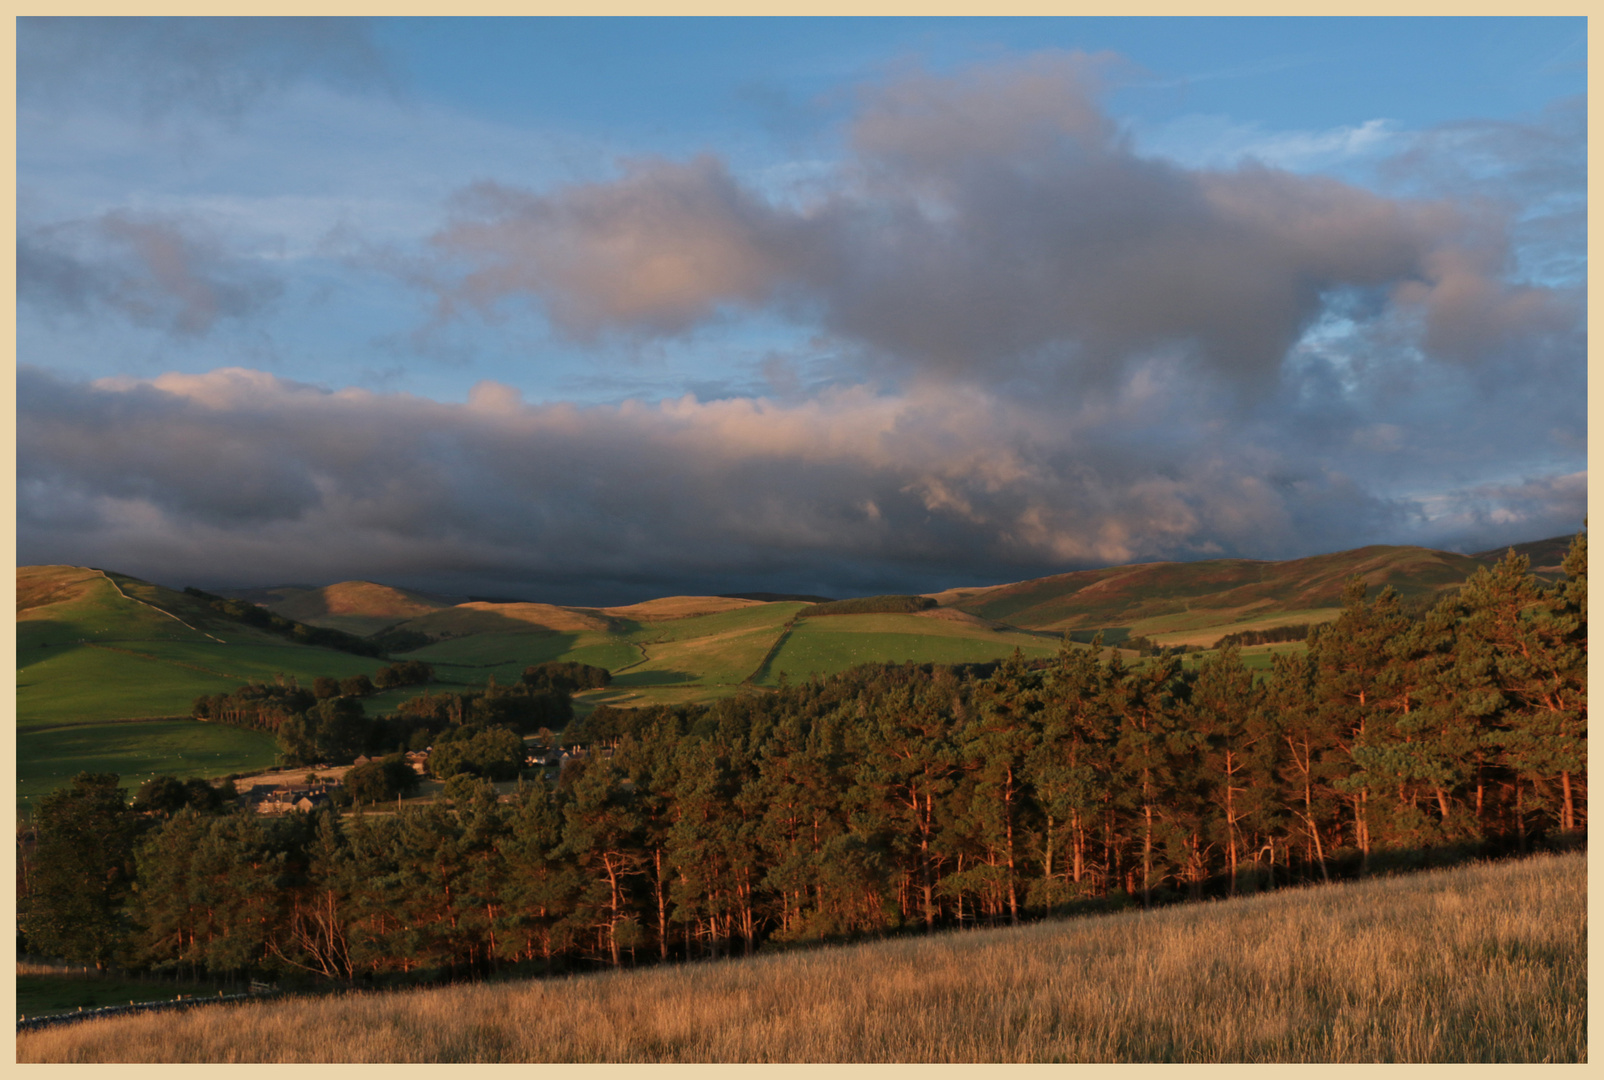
[[1483, 963]]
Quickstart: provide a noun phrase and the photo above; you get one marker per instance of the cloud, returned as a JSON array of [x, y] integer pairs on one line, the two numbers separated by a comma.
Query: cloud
[[1218, 142], [238, 476], [1003, 343], [658, 250], [157, 271], [996, 224], [923, 126], [1532, 170], [168, 69], [1489, 516]]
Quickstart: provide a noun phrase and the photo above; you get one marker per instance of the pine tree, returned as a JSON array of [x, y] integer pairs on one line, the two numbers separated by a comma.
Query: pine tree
[[542, 883], [83, 870], [1226, 709], [1537, 640], [1312, 759], [996, 746], [1150, 743], [601, 826], [1352, 668], [906, 764]]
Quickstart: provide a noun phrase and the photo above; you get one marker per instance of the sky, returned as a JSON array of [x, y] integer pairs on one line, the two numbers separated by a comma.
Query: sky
[[589, 311]]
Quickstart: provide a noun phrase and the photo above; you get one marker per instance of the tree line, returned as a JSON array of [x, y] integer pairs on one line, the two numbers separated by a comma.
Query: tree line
[[886, 799], [255, 615], [329, 723], [1268, 636]]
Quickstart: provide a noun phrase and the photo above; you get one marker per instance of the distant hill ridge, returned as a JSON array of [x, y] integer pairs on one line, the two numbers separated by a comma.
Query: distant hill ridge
[[1546, 555], [1184, 602], [1174, 598]]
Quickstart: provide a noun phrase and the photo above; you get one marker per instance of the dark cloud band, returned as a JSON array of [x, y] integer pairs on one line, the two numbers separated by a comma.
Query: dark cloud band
[[237, 476]]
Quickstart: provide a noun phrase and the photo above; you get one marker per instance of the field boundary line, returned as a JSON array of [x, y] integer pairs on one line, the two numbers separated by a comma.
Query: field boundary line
[[644, 657], [774, 650], [153, 607]]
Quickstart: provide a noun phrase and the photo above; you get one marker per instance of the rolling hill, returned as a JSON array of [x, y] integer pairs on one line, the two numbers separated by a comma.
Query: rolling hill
[[357, 607], [108, 666], [98, 650], [1196, 603]]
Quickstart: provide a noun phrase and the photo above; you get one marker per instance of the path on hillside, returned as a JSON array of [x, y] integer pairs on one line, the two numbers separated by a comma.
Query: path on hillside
[[153, 607]]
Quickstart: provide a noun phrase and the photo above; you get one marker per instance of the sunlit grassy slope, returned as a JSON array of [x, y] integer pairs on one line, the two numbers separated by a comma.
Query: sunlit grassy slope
[[1478, 964], [827, 644], [673, 659], [357, 607], [1183, 600], [94, 648]]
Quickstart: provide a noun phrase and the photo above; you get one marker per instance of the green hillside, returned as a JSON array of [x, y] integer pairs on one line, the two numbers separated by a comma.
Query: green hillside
[[108, 647], [357, 607], [48, 757], [825, 644], [696, 658], [96, 650]]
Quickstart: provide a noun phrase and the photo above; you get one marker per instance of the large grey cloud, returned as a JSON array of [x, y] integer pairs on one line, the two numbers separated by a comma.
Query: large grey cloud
[[237, 477], [996, 223]]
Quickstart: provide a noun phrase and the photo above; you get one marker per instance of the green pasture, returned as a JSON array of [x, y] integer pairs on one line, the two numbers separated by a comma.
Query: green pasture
[[360, 625], [1204, 627], [506, 654], [260, 661], [923, 626], [1256, 658], [84, 684], [1262, 657], [722, 659], [833, 643], [48, 757], [96, 682], [703, 651], [630, 697], [701, 657]]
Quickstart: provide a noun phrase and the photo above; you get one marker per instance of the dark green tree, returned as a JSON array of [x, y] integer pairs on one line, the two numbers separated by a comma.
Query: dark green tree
[[83, 871], [381, 781]]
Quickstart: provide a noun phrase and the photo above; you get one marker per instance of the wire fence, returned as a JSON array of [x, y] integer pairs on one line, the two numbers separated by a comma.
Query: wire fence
[[192, 1001]]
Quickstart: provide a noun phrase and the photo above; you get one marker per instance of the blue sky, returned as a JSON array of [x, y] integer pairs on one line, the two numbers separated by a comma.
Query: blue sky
[[593, 310]]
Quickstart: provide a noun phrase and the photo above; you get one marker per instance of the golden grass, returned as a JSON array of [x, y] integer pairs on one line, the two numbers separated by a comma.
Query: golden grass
[[680, 607], [1484, 963], [484, 617], [367, 598], [43, 586]]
